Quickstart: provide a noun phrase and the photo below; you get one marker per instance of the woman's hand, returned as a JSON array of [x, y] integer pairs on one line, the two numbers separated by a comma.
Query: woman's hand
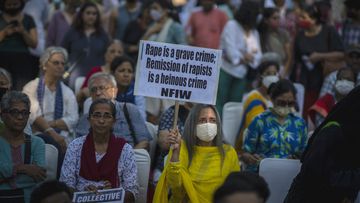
[[164, 139], [107, 185], [175, 144], [315, 57], [9, 30], [293, 156], [19, 29], [251, 158], [36, 172], [156, 28], [91, 188], [248, 58]]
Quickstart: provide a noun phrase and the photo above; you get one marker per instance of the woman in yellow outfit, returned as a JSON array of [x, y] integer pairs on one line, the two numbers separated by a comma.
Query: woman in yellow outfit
[[258, 100], [199, 162]]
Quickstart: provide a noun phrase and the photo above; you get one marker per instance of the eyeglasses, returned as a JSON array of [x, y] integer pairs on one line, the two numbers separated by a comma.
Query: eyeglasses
[[98, 116], [284, 103], [56, 63], [100, 88], [16, 113]]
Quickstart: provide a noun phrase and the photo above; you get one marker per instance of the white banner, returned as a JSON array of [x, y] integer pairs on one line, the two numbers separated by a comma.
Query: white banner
[[177, 72], [112, 195]]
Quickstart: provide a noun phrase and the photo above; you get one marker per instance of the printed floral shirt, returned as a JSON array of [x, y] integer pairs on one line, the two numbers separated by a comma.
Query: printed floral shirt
[[266, 137], [70, 170]]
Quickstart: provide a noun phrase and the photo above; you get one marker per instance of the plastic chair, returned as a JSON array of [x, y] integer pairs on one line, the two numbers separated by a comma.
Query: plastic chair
[[232, 114], [153, 132], [87, 104], [143, 162], [51, 161], [279, 174], [78, 83]]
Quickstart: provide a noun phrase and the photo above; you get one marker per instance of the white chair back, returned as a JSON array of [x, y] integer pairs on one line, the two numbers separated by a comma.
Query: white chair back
[[51, 161], [87, 104], [153, 132], [78, 83], [232, 114], [143, 169], [300, 96], [279, 174]]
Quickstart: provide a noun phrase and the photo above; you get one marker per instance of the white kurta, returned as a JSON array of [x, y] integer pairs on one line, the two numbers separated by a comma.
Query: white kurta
[[70, 106]]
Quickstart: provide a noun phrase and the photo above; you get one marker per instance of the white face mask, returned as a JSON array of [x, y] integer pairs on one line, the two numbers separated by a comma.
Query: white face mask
[[155, 14], [344, 86], [206, 132], [268, 80], [282, 111]]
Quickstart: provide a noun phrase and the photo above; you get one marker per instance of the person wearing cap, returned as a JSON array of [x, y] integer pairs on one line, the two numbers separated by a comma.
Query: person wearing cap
[[258, 100], [345, 82], [352, 59]]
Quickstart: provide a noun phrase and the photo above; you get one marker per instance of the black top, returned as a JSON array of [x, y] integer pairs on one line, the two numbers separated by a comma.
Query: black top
[[330, 171], [327, 40]]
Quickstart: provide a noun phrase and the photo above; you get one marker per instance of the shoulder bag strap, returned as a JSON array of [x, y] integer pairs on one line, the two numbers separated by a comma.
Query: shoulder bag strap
[[131, 127], [27, 149]]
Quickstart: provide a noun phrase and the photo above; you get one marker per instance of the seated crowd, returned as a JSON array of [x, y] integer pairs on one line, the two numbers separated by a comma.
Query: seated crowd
[[271, 52]]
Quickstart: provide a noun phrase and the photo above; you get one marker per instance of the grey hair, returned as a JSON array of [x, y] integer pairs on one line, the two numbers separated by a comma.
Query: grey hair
[[190, 137], [103, 101], [106, 76], [45, 57], [6, 74], [14, 96]]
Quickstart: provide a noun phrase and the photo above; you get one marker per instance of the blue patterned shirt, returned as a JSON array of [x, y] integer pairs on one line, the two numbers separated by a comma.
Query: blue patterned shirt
[[266, 137]]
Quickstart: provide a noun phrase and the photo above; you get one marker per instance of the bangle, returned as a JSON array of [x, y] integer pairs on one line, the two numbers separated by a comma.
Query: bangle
[[48, 129]]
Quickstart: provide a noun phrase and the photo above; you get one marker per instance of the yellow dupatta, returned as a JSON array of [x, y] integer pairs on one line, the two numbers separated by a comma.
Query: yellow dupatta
[[254, 104], [201, 179]]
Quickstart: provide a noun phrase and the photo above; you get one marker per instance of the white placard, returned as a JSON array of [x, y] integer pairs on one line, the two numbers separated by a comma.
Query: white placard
[[111, 195], [177, 72]]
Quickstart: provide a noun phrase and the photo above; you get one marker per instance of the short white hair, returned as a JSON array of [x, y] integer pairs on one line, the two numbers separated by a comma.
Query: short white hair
[[51, 51], [107, 77]]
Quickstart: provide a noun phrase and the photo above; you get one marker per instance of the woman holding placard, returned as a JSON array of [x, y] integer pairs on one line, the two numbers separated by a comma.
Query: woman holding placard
[[199, 162], [100, 160]]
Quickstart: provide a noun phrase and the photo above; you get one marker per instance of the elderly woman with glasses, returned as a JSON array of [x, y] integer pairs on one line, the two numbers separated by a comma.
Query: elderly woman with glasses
[[50, 98], [22, 156], [199, 163], [277, 132], [100, 160]]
